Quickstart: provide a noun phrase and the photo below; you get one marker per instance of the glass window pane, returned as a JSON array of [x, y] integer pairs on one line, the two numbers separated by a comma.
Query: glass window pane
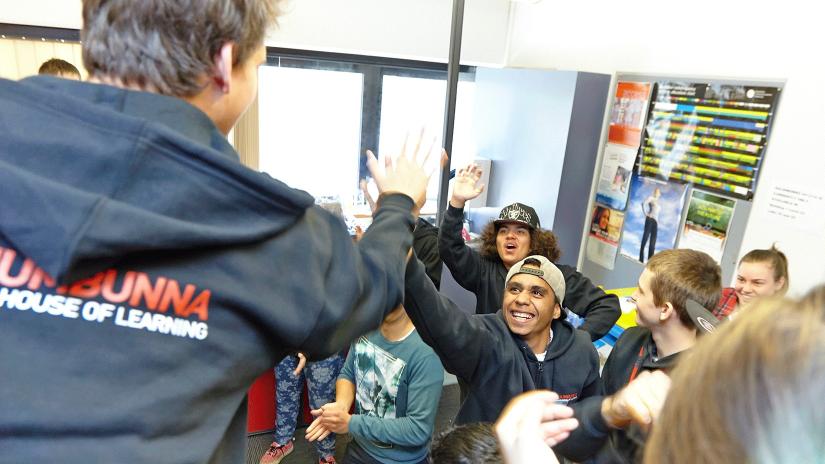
[[410, 103], [310, 129]]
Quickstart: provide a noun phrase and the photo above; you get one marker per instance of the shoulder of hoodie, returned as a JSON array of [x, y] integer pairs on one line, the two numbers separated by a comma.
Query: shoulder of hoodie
[[632, 336]]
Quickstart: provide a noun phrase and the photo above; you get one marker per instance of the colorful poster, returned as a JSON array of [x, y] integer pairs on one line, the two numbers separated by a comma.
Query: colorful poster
[[711, 135], [603, 241], [706, 223], [654, 211], [627, 115], [614, 182]]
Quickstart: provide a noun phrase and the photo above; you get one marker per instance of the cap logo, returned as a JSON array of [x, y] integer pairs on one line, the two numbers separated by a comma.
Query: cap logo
[[531, 270], [705, 324], [518, 214]]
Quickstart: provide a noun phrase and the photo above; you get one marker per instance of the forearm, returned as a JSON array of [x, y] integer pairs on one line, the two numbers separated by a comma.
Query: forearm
[[600, 317], [401, 431], [344, 393]]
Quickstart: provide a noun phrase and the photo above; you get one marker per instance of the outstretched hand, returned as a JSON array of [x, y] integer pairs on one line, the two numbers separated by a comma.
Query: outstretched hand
[[464, 187], [640, 401], [407, 173], [530, 424]]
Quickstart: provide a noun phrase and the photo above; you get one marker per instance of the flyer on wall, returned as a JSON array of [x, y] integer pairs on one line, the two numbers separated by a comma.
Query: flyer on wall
[[710, 135], [706, 224], [627, 115], [603, 240], [614, 181], [654, 211]]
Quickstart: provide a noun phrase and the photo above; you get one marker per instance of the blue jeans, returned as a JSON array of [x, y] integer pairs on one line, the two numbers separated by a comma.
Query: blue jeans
[[320, 378]]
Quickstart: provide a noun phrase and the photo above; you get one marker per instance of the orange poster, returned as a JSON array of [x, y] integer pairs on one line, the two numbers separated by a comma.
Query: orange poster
[[627, 116]]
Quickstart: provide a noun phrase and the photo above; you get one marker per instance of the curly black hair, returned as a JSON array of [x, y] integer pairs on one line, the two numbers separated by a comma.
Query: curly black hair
[[542, 242]]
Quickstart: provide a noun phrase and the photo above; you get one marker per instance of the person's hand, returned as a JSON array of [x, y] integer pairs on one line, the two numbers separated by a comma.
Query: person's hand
[[329, 418], [302, 361], [640, 401], [464, 187], [530, 424], [364, 186], [406, 174]]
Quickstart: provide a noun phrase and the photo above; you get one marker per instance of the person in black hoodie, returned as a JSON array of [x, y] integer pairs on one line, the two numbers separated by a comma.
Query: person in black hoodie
[[527, 345], [515, 234], [146, 276], [668, 325]]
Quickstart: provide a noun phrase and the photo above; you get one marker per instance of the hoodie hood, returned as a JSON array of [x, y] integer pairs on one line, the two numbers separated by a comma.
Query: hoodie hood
[[152, 175]]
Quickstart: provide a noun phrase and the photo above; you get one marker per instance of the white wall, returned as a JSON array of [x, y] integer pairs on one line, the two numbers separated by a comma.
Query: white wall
[[49, 13], [413, 29], [736, 39]]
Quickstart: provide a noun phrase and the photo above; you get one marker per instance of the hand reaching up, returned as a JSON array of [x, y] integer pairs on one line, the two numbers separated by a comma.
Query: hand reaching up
[[464, 187], [406, 174]]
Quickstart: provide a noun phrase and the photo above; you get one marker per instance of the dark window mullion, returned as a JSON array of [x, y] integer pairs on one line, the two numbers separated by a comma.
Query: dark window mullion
[[370, 114]]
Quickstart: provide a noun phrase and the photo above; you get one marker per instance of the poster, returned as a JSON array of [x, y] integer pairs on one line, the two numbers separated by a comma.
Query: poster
[[627, 115], [603, 239], [706, 223], [654, 211], [711, 135], [614, 181]]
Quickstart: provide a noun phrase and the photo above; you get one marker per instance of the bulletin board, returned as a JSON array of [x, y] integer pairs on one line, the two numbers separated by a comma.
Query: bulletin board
[[705, 137]]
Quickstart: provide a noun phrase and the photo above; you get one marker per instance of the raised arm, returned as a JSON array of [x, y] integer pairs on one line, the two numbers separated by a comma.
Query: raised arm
[[464, 262], [459, 339]]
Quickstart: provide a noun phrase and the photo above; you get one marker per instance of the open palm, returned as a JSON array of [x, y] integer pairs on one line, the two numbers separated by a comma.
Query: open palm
[[465, 187]]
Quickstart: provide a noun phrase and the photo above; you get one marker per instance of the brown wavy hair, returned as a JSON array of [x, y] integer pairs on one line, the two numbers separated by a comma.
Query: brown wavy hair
[[542, 242]]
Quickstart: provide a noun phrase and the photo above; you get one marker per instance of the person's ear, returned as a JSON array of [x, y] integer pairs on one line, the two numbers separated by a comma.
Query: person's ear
[[666, 311], [222, 76], [557, 311]]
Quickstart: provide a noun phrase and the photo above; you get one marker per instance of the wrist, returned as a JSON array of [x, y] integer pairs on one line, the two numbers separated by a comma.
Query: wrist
[[609, 415], [457, 203]]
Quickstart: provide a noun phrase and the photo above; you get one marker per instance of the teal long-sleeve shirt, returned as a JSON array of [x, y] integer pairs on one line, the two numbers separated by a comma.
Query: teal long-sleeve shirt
[[397, 389]]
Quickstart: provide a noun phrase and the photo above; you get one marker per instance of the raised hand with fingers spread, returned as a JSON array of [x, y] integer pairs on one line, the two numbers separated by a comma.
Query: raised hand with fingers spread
[[407, 174], [465, 187]]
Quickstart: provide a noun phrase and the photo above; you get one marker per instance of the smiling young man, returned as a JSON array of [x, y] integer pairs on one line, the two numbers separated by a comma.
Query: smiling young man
[[516, 234], [525, 346], [667, 327], [147, 277]]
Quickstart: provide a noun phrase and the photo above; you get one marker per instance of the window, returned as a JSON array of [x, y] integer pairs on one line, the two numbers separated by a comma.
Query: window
[[319, 113]]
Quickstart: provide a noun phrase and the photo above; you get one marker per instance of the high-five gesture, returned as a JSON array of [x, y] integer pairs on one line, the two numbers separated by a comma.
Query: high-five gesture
[[408, 173], [465, 188]]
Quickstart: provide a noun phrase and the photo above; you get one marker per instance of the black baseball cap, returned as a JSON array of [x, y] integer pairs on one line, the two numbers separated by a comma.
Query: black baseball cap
[[519, 213], [704, 320]]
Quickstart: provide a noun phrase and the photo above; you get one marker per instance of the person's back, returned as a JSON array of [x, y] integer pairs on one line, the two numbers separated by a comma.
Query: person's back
[[140, 262]]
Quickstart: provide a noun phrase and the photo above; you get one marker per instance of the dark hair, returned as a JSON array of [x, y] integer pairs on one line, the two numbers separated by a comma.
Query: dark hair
[[58, 67], [542, 242], [681, 274], [775, 258], [466, 444], [169, 46]]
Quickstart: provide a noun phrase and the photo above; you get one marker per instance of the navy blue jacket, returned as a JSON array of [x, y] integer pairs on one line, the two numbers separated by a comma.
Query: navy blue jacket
[[147, 277], [496, 364]]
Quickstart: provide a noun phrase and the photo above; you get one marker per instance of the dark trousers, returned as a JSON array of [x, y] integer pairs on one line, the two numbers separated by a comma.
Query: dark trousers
[[651, 227]]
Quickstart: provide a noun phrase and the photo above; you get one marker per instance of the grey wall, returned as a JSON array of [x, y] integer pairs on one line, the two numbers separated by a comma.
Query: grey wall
[[521, 122], [579, 164]]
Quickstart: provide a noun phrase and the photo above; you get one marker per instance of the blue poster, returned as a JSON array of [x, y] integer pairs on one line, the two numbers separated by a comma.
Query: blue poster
[[654, 211]]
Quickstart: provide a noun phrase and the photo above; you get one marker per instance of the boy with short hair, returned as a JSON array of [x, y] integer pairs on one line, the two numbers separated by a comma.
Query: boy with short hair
[[668, 325]]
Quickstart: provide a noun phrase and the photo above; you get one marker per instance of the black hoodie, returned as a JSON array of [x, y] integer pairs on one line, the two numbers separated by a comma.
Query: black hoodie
[[496, 364], [196, 274], [616, 446], [485, 278]]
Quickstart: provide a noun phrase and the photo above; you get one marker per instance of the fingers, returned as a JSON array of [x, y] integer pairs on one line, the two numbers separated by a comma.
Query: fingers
[[375, 170], [417, 145], [318, 432], [302, 361]]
